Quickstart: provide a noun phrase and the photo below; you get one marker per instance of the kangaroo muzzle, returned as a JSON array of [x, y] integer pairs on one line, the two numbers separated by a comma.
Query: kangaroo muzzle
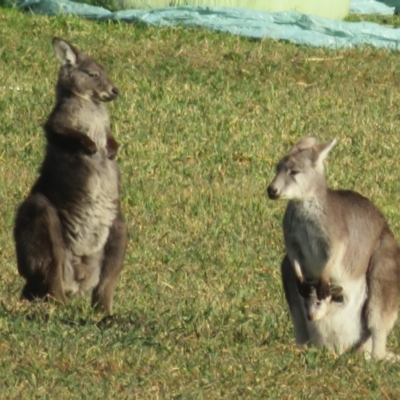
[[272, 192], [110, 95]]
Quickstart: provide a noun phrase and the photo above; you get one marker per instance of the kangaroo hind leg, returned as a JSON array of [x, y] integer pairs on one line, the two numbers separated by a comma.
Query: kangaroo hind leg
[[383, 289], [40, 248], [113, 257], [295, 301]]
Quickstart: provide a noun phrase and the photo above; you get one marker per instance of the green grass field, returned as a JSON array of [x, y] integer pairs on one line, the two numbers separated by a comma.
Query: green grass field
[[202, 120]]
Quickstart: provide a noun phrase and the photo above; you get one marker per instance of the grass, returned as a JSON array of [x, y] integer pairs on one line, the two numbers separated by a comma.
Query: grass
[[390, 20], [202, 120]]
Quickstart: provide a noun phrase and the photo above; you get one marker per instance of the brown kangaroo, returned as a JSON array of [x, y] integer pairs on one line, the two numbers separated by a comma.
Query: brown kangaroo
[[339, 244], [69, 232]]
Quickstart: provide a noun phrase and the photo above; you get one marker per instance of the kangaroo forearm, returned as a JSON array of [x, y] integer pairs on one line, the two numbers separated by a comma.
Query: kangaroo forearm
[[303, 288], [297, 271], [112, 146], [335, 262], [66, 137]]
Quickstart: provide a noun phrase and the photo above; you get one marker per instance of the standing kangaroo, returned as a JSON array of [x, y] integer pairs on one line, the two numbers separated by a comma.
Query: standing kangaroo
[[335, 237], [69, 232]]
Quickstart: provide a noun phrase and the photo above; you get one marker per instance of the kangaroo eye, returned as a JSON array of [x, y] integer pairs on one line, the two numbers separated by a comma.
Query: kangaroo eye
[[293, 172], [93, 74]]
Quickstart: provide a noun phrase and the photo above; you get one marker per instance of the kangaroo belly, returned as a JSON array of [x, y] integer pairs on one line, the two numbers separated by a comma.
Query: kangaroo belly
[[89, 224], [342, 327], [81, 274]]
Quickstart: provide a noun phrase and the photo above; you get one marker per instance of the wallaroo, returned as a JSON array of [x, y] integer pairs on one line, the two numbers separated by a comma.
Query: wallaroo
[[341, 271], [69, 232]]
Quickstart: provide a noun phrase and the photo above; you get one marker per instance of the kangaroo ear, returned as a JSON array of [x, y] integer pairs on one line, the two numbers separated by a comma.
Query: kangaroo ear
[[335, 290], [321, 152], [303, 144], [65, 52]]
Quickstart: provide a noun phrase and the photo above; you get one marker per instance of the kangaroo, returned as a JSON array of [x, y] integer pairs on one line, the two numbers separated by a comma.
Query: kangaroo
[[316, 308], [69, 232], [336, 322], [335, 237]]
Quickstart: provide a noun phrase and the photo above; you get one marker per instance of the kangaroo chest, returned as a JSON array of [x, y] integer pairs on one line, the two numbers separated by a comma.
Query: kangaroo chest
[[95, 203], [95, 122], [305, 239]]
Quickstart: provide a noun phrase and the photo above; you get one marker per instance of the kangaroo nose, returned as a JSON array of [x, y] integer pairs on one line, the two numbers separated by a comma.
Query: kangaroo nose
[[115, 91], [272, 192]]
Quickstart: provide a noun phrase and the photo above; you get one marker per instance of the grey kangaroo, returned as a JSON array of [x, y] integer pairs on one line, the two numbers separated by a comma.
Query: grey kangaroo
[[332, 238], [69, 232]]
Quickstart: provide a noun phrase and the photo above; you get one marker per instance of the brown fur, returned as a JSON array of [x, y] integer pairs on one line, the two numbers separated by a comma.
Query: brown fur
[[339, 237], [69, 233]]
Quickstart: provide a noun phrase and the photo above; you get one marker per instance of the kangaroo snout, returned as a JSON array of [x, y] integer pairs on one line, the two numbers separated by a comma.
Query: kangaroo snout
[[272, 192], [310, 316], [317, 309], [115, 91], [111, 95]]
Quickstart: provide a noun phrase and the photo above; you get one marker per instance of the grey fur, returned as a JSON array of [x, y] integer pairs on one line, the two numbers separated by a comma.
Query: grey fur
[[70, 235], [335, 237]]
